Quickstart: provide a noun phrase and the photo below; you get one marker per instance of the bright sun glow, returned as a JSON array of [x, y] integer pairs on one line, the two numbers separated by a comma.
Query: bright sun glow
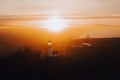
[[55, 24]]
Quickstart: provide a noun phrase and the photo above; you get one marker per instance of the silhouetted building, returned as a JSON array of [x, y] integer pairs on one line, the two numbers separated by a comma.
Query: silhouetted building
[[88, 37]]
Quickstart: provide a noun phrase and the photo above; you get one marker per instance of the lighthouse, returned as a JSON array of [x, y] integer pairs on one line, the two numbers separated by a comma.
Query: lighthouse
[[50, 49]]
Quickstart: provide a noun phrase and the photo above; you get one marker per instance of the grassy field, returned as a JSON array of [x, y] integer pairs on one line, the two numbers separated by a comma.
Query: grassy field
[[101, 60]]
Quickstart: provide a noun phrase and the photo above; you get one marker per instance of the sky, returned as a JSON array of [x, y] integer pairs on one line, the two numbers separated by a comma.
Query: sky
[[101, 16], [87, 7]]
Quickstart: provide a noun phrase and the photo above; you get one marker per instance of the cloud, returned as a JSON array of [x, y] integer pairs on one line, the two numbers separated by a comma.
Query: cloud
[[26, 7]]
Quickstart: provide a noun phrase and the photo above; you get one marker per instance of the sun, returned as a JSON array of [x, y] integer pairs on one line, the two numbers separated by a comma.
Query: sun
[[55, 24]]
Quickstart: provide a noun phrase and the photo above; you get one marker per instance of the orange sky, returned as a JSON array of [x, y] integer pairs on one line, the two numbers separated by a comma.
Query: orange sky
[[98, 18]]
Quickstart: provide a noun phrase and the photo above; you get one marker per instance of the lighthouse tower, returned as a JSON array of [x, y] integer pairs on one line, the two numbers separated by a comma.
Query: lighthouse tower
[[50, 48]]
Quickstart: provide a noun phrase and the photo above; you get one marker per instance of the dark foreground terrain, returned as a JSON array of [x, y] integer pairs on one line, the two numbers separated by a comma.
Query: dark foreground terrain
[[100, 60]]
